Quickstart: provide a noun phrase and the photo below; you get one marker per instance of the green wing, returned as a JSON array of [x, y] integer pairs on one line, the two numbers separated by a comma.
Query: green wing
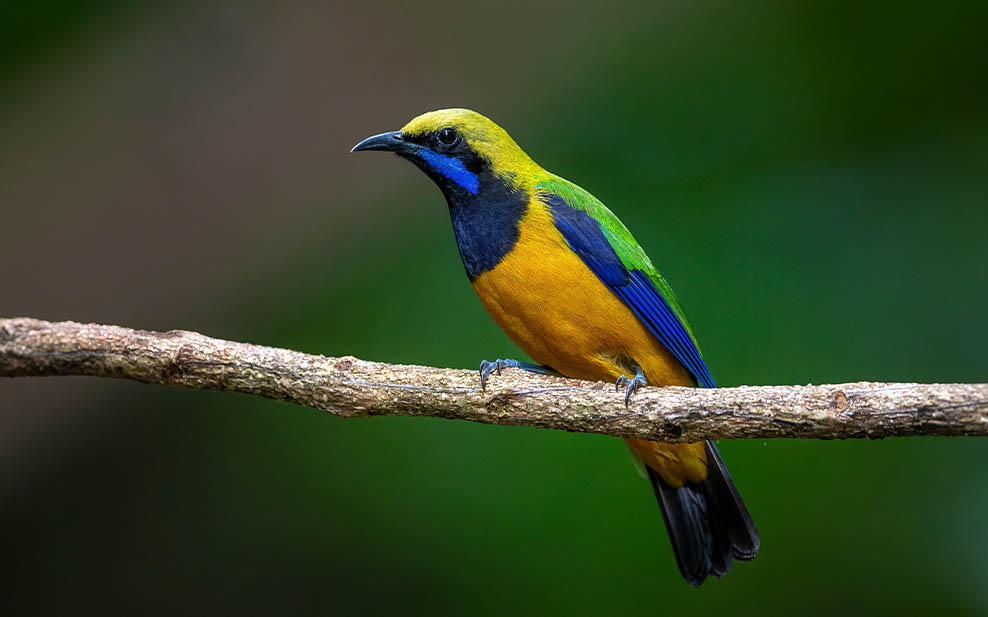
[[635, 280], [620, 239]]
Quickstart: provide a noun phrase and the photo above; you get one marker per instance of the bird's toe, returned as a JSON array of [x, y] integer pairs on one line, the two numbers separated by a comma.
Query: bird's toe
[[631, 385], [621, 381], [487, 367]]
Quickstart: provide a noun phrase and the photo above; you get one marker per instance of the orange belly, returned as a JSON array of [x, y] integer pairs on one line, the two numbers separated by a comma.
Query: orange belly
[[553, 307]]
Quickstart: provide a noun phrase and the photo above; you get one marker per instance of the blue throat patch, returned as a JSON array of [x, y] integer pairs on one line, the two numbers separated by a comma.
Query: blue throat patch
[[451, 168], [484, 209], [486, 227]]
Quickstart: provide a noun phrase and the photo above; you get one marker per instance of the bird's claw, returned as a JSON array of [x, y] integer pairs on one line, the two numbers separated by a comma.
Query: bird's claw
[[487, 367], [631, 385], [621, 381]]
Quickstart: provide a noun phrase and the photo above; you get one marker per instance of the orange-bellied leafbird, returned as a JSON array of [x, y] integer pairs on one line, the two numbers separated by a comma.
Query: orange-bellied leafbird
[[565, 279]]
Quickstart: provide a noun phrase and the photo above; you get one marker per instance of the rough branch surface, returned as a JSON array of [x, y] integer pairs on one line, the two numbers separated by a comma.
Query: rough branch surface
[[351, 388]]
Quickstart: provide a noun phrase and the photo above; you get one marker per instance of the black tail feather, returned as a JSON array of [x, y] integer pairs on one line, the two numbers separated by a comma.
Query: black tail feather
[[684, 510], [708, 523], [730, 509]]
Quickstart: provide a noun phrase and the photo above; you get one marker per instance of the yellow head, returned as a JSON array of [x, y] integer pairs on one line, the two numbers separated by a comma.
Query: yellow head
[[457, 148], [488, 181]]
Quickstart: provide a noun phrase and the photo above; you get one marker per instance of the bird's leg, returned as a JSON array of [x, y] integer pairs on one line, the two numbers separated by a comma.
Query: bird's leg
[[486, 368], [632, 384]]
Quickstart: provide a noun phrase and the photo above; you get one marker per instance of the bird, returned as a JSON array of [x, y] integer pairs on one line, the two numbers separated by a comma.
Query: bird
[[570, 285]]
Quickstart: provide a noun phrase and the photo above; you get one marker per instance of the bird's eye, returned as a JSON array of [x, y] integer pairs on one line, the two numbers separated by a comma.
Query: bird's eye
[[447, 136]]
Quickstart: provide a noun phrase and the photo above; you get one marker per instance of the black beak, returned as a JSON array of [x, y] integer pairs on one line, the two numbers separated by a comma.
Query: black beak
[[389, 142]]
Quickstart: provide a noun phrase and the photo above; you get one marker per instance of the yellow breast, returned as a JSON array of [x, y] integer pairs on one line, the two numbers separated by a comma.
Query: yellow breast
[[557, 310]]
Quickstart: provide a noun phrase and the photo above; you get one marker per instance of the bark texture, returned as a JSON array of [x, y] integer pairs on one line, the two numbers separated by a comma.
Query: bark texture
[[353, 388]]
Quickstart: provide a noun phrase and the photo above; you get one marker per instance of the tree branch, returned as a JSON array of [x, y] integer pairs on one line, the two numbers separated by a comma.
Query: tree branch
[[352, 388]]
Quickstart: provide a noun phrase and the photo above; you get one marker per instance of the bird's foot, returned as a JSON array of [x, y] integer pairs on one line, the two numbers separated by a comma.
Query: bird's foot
[[487, 367], [632, 384]]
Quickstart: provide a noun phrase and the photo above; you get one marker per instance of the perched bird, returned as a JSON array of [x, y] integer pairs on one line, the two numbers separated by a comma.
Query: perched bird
[[565, 279]]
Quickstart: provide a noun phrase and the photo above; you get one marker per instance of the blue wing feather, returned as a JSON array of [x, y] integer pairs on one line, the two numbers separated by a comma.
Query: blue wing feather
[[633, 287]]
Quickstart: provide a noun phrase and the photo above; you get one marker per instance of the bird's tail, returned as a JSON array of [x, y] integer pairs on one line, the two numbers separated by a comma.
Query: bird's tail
[[707, 522]]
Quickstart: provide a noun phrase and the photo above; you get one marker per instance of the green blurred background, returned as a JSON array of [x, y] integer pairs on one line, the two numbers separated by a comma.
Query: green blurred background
[[811, 178]]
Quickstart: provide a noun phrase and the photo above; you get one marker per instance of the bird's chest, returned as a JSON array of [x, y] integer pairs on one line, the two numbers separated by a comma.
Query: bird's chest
[[486, 229], [546, 299]]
